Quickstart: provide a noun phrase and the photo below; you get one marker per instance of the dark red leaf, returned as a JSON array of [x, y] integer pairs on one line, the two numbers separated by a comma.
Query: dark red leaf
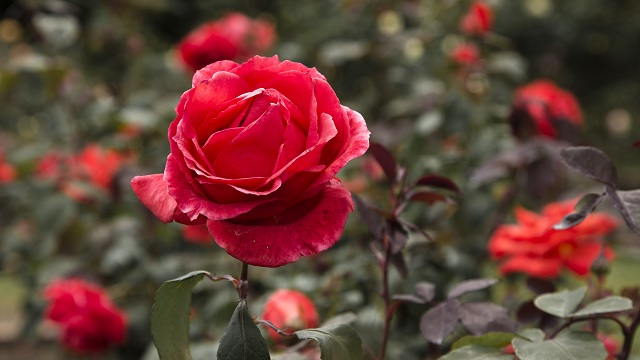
[[483, 317], [370, 216], [428, 197], [438, 181], [397, 260], [540, 286], [386, 160], [590, 162], [397, 235], [628, 205], [409, 298], [440, 321], [469, 286], [426, 290]]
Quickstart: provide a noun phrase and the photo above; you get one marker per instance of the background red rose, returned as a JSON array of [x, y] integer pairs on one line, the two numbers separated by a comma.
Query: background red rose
[[289, 310], [7, 171], [197, 234], [88, 320], [255, 148], [532, 246], [233, 37], [93, 165], [465, 54], [478, 20], [545, 104]]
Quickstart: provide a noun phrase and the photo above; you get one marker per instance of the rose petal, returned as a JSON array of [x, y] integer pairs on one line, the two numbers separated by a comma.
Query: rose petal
[[539, 267], [195, 204], [153, 193], [254, 151], [208, 71], [357, 144], [279, 244]]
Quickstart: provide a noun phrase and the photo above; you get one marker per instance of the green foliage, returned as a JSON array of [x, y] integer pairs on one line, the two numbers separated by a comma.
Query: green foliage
[[337, 341], [561, 304], [568, 345], [476, 352], [242, 339], [170, 316]]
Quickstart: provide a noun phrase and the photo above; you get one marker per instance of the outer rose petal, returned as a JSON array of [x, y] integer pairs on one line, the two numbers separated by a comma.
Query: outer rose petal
[[538, 267], [280, 244], [153, 192]]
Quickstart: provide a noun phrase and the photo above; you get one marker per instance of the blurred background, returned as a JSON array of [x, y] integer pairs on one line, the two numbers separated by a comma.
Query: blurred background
[[96, 83]]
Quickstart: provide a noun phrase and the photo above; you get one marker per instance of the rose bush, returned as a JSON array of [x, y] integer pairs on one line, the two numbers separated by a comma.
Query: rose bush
[[255, 148], [544, 104], [233, 37], [89, 321], [289, 310], [532, 246]]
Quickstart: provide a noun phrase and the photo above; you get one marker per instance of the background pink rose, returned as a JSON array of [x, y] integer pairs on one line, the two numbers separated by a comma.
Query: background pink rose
[[255, 148], [289, 310], [233, 37], [88, 320]]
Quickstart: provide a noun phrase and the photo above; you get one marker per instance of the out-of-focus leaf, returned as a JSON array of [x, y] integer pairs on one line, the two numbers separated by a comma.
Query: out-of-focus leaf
[[54, 213], [438, 181], [540, 286], [496, 340], [527, 312], [371, 218], [425, 290], [386, 161], [409, 298], [170, 316], [469, 286], [590, 162], [337, 341], [561, 304], [440, 321], [242, 339], [476, 352], [397, 260], [398, 236], [482, 317], [568, 345], [427, 197], [607, 305], [628, 204]]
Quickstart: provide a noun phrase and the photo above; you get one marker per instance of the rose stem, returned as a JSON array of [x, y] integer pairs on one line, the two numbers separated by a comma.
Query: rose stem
[[386, 297], [243, 284]]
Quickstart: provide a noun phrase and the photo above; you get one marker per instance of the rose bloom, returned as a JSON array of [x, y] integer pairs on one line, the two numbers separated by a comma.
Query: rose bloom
[[197, 234], [255, 148], [465, 54], [233, 37], [289, 310], [93, 165], [545, 104], [89, 322], [478, 20], [532, 246], [7, 171]]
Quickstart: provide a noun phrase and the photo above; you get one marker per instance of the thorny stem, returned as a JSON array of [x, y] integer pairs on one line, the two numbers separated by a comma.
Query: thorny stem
[[629, 334], [243, 284]]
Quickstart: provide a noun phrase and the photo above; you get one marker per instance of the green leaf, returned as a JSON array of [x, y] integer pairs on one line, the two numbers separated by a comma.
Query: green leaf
[[496, 340], [568, 345], [170, 316], [242, 339], [561, 304], [337, 341], [536, 335], [476, 352], [606, 305]]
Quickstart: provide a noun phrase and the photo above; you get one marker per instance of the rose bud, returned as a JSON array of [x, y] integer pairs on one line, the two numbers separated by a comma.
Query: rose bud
[[289, 311]]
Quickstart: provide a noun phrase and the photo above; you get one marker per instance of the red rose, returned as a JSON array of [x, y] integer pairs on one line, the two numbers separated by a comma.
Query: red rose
[[465, 54], [234, 37], [532, 246], [88, 320], [7, 171], [478, 20], [289, 310], [93, 165], [255, 148], [545, 105]]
